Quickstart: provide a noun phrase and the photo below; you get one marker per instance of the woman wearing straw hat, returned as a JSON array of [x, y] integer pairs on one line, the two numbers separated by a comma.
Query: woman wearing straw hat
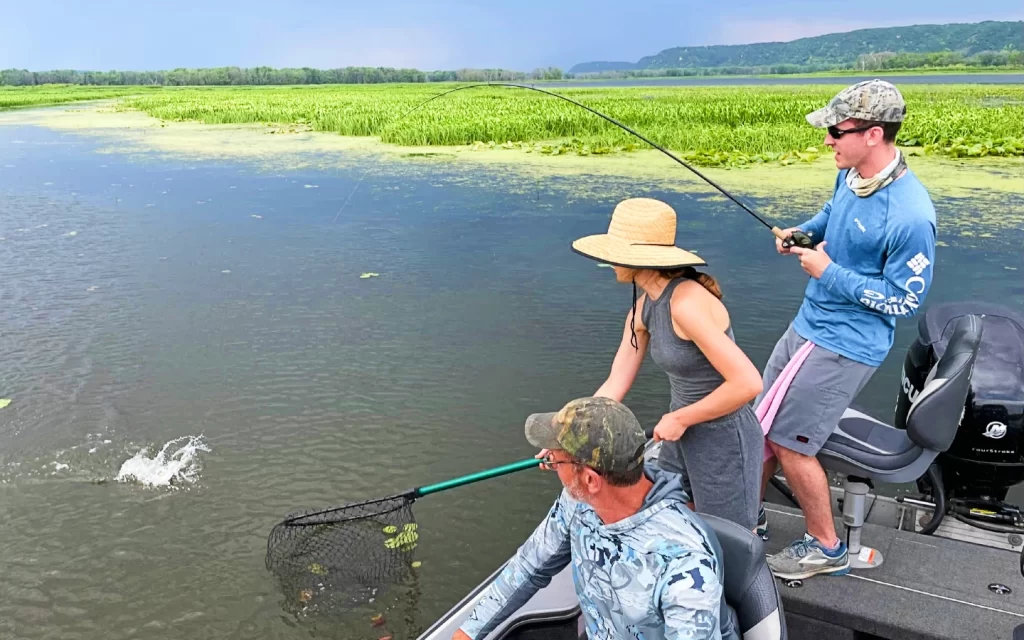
[[711, 435]]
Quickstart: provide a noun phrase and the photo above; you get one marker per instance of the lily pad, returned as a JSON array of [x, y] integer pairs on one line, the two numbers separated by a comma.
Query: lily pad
[[369, 275], [4, 402], [317, 569]]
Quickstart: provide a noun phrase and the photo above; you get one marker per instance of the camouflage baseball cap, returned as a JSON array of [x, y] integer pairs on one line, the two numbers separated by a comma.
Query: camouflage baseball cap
[[872, 100], [599, 432]]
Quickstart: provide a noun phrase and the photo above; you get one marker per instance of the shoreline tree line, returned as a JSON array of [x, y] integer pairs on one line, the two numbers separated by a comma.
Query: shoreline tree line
[[264, 76], [882, 61], [238, 76]]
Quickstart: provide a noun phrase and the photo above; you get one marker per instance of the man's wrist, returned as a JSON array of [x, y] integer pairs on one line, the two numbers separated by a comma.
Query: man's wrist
[[829, 275]]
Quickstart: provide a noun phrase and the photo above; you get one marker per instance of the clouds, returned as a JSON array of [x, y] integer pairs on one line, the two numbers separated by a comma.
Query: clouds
[[398, 46], [440, 34]]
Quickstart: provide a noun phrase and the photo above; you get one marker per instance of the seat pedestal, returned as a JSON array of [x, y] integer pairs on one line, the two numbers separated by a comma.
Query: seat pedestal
[[855, 492]]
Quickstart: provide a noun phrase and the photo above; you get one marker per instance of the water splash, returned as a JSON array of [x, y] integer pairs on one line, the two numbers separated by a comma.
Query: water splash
[[166, 468]]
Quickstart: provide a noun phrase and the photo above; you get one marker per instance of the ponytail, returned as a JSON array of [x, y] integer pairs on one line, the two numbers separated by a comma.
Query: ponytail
[[703, 279]]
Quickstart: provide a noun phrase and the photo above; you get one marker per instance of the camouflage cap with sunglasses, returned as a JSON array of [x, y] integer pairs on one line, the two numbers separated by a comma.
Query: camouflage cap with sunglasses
[[599, 432], [871, 100]]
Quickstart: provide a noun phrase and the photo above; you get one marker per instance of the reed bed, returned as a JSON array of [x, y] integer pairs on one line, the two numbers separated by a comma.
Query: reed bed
[[41, 96], [709, 126]]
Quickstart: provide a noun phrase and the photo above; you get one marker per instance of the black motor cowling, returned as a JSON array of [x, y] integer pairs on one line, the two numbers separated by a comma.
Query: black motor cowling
[[987, 455]]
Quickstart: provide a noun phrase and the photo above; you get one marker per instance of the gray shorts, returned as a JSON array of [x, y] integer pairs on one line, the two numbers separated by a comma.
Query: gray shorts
[[822, 389], [720, 463]]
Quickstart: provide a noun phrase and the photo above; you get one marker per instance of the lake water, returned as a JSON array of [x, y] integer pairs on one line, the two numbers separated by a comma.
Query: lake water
[[964, 78], [216, 312]]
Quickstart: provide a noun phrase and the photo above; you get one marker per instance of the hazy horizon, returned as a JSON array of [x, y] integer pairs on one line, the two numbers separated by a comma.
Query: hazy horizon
[[448, 34]]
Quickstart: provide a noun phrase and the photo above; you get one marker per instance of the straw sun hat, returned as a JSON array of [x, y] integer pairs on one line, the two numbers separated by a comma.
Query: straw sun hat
[[641, 235]]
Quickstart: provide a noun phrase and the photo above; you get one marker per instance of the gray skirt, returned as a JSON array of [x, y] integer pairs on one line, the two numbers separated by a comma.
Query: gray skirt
[[720, 463]]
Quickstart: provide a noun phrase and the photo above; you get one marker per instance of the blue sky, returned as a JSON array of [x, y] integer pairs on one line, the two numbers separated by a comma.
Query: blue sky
[[430, 34]]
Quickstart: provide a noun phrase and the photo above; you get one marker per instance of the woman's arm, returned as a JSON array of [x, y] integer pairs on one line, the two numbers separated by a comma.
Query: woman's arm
[[627, 359], [742, 379]]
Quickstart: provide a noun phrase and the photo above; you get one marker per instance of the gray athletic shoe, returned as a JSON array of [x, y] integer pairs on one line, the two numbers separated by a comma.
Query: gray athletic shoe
[[806, 557]]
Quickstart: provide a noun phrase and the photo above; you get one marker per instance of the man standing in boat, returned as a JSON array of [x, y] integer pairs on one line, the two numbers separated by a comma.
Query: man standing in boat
[[644, 564], [874, 250]]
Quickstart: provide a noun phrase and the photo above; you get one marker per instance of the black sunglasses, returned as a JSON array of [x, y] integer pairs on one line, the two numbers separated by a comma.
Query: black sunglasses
[[837, 133]]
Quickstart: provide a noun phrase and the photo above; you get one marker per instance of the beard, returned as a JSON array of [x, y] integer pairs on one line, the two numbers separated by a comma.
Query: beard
[[575, 490]]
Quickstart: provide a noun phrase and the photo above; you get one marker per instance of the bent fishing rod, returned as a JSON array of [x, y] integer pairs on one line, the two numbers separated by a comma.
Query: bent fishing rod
[[798, 238]]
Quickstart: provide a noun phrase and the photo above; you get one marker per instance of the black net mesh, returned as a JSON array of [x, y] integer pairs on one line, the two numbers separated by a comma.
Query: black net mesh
[[341, 558]]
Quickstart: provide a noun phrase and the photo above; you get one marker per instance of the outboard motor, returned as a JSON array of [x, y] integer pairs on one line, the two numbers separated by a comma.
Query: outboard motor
[[987, 455]]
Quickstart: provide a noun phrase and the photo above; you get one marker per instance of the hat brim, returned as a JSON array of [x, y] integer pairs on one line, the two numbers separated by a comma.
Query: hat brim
[[824, 117], [542, 432], [620, 253]]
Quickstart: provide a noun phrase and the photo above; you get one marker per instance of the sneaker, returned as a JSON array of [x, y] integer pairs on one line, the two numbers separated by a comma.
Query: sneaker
[[762, 524], [806, 557]]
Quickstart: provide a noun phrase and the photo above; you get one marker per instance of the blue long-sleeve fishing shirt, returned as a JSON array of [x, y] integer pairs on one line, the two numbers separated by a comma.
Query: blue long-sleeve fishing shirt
[[883, 252], [656, 575]]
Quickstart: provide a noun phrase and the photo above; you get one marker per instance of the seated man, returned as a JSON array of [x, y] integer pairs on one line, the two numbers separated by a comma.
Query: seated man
[[644, 565]]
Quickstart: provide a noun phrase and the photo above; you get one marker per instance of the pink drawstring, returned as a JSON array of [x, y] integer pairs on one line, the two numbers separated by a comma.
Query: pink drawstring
[[772, 400]]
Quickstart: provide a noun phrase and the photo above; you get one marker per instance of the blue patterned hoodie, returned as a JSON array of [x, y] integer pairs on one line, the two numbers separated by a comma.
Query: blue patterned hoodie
[[655, 575]]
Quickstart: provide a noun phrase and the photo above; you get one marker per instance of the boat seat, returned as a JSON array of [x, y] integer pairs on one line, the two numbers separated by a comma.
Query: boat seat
[[864, 447], [750, 589], [873, 443]]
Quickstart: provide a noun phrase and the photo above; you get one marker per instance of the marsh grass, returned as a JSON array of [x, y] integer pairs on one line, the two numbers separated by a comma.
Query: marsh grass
[[708, 126], [41, 96]]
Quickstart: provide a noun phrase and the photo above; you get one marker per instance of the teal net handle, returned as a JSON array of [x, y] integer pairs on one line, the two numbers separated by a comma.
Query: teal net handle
[[478, 476]]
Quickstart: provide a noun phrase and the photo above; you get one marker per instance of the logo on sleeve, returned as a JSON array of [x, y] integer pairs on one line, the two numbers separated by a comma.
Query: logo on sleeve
[[918, 264]]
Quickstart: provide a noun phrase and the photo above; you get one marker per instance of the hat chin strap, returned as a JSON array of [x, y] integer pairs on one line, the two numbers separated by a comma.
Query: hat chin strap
[[632, 320]]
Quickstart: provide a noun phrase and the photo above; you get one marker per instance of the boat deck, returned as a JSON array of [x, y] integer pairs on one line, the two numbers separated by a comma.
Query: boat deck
[[927, 587]]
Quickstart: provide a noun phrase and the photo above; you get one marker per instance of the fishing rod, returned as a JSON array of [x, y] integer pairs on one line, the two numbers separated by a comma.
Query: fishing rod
[[798, 238]]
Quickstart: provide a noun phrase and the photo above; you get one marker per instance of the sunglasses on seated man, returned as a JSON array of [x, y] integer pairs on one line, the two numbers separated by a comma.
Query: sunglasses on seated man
[[549, 461]]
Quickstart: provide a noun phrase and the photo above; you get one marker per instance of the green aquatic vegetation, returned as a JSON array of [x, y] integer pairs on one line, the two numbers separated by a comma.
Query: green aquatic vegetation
[[45, 95], [730, 126], [707, 126], [405, 540]]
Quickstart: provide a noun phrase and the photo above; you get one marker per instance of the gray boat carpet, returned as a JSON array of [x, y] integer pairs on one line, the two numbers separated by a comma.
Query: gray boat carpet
[[926, 588]]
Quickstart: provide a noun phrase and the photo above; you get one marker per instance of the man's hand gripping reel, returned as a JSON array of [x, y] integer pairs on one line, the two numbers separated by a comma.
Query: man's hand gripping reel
[[796, 239]]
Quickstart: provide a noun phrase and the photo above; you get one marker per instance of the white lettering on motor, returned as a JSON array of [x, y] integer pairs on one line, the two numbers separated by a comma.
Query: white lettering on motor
[[907, 387]]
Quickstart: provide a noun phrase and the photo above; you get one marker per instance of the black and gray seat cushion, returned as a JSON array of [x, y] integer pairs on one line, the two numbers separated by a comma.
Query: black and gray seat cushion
[[872, 443], [750, 588], [861, 445]]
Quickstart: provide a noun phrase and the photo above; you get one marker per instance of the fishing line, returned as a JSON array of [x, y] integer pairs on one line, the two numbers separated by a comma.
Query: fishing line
[[798, 238]]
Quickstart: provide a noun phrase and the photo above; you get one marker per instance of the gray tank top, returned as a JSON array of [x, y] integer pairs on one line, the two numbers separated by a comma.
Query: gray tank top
[[691, 377]]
